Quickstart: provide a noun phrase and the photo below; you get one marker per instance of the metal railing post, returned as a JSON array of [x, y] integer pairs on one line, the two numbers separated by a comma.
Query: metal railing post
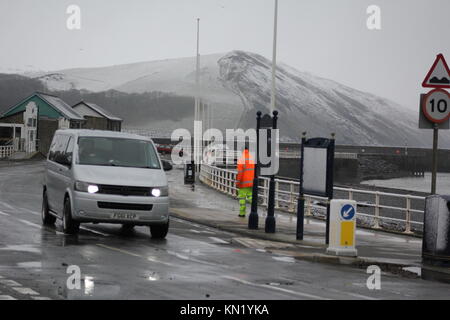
[[291, 198], [377, 211], [408, 215], [277, 189], [266, 192], [308, 207]]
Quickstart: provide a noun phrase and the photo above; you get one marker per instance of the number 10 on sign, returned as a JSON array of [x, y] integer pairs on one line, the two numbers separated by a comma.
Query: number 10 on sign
[[436, 106]]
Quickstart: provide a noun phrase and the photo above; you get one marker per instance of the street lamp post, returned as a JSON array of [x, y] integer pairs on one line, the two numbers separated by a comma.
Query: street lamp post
[[253, 218], [274, 59]]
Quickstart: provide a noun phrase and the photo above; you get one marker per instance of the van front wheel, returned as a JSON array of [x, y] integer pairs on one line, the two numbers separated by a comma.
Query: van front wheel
[[70, 226], [47, 218], [159, 231]]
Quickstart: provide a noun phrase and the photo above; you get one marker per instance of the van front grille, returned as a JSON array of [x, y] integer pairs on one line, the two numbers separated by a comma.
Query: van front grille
[[125, 190], [124, 206]]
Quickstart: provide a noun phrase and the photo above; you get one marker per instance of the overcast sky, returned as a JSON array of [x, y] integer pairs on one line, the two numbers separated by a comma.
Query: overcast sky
[[328, 38]]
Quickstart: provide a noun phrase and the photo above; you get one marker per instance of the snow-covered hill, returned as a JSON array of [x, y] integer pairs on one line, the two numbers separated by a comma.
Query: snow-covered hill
[[237, 84]]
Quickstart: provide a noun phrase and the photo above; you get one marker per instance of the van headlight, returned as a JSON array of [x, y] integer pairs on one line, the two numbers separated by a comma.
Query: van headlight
[[86, 187], [160, 192]]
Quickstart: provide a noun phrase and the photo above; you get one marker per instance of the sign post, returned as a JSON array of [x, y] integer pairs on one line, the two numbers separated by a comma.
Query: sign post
[[435, 107]]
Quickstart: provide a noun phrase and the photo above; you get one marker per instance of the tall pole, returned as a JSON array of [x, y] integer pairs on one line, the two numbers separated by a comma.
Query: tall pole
[[197, 115], [270, 225], [253, 218], [435, 158], [274, 59]]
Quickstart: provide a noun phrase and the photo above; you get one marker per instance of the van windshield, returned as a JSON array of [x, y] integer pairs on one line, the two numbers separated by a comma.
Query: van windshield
[[104, 151]]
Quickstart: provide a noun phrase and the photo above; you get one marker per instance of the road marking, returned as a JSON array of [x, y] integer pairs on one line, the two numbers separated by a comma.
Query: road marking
[[119, 250], [284, 259], [183, 257], [218, 240], [5, 297], [30, 211], [31, 224], [356, 295], [10, 283], [153, 259], [26, 291], [7, 205], [95, 231], [300, 294]]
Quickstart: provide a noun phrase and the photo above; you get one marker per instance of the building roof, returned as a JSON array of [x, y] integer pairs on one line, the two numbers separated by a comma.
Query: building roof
[[54, 102], [99, 110], [61, 106]]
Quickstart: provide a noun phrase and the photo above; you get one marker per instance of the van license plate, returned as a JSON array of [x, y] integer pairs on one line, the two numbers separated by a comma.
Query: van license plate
[[125, 216]]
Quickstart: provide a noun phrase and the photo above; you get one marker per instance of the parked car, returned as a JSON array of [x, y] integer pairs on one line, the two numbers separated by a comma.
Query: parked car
[[219, 154], [165, 148], [96, 176]]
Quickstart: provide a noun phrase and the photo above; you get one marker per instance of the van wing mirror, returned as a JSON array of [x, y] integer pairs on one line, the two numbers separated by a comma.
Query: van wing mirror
[[65, 160], [167, 166]]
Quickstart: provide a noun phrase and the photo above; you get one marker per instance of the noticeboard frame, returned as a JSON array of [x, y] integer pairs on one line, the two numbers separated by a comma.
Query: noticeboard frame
[[329, 146]]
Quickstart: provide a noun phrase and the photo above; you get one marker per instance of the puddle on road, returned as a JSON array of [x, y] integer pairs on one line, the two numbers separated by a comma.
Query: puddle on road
[[153, 276], [92, 289]]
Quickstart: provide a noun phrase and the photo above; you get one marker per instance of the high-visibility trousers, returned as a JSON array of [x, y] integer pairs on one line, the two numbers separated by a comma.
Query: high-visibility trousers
[[245, 196]]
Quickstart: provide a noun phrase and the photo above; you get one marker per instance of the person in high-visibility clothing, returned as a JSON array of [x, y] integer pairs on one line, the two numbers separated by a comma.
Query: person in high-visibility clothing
[[244, 180]]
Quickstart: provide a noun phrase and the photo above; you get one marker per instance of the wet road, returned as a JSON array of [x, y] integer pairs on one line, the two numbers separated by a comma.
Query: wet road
[[194, 262]]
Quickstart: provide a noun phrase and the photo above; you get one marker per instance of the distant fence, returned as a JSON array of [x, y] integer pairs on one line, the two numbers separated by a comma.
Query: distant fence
[[376, 210], [6, 151]]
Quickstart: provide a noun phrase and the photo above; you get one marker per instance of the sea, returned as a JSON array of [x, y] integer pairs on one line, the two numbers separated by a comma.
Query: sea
[[421, 184]]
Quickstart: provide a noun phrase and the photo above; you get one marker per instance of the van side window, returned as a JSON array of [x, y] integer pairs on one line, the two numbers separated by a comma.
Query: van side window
[[59, 148], [69, 150], [51, 153]]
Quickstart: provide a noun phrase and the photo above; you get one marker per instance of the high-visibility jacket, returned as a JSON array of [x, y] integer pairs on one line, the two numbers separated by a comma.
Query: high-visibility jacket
[[246, 170]]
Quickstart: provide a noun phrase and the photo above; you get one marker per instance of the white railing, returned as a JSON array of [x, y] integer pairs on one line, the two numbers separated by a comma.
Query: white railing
[[285, 154], [6, 151], [377, 210]]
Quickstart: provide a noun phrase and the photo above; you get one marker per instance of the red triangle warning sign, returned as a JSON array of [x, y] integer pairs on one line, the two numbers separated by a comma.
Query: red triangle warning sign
[[439, 74]]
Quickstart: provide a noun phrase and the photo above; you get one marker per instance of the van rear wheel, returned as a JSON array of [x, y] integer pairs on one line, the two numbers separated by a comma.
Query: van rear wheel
[[47, 218], [159, 231], [70, 226]]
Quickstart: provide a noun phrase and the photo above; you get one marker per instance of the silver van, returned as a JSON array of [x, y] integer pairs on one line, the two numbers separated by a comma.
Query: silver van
[[104, 176]]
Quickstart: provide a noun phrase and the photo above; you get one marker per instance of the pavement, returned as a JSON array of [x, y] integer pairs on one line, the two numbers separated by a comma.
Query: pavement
[[194, 262], [391, 252]]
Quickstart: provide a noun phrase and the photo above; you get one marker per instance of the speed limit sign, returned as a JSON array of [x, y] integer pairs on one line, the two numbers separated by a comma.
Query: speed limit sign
[[436, 106]]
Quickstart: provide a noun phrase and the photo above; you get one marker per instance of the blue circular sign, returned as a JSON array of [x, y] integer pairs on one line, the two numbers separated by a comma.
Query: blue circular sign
[[348, 212]]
